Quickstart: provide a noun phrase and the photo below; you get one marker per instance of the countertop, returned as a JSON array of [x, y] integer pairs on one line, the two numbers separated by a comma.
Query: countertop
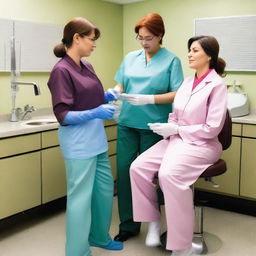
[[249, 119], [9, 129]]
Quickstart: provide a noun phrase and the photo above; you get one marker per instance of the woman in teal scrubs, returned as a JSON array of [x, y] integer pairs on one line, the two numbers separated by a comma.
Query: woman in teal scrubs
[[148, 79]]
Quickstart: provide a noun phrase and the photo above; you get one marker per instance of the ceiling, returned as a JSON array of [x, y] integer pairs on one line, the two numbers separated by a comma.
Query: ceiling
[[123, 1]]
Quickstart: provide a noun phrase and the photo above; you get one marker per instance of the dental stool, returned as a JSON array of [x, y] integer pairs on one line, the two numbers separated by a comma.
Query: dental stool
[[218, 168]]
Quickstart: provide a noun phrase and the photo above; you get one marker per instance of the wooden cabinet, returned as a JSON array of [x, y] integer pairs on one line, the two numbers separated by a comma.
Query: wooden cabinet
[[20, 144], [248, 162], [53, 174], [239, 180], [111, 132], [229, 181], [53, 168], [32, 170], [112, 147], [50, 138], [20, 174], [20, 183]]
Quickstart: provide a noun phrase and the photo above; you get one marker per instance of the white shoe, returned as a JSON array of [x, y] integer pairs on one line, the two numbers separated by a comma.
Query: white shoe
[[153, 235], [185, 252]]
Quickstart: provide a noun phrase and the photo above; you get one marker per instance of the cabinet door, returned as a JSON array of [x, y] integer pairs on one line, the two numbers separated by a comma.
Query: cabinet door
[[248, 168], [20, 183], [229, 181], [111, 132], [45, 35], [50, 138], [6, 28], [53, 174], [112, 147]]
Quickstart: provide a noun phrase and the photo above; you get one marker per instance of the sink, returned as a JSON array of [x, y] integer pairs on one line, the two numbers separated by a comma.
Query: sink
[[238, 104], [40, 122]]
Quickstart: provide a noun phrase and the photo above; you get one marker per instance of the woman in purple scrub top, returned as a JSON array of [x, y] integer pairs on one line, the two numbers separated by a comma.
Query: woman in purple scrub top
[[80, 105]]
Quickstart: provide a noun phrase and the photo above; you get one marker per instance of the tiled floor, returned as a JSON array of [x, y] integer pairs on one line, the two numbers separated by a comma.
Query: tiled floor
[[227, 234]]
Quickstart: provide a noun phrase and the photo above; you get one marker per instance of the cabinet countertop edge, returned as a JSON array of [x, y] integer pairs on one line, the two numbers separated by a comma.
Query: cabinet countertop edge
[[249, 119], [11, 129]]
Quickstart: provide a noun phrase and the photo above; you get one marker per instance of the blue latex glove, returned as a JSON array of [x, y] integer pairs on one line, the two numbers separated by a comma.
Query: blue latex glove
[[112, 94], [104, 111]]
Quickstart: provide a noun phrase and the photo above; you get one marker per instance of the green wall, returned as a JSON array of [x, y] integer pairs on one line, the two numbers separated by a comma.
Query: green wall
[[117, 26], [178, 16], [106, 59]]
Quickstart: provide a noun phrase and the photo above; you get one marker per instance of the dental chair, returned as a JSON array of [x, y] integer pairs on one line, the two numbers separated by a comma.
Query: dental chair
[[218, 168]]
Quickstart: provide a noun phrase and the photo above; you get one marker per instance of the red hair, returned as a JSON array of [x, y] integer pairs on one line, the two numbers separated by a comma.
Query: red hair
[[152, 22]]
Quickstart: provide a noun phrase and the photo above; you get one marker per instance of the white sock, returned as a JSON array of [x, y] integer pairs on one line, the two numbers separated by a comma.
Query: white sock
[[153, 235], [185, 252]]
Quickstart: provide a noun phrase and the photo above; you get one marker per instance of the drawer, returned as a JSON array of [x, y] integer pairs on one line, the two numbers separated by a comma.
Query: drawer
[[236, 129], [112, 147], [50, 138], [20, 144], [249, 130], [111, 132]]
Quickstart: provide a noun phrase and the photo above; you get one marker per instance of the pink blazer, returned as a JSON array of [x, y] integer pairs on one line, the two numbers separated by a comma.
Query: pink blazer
[[200, 113]]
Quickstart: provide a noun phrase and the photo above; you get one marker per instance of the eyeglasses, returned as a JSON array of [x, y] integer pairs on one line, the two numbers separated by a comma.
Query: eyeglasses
[[146, 38], [84, 35], [92, 39]]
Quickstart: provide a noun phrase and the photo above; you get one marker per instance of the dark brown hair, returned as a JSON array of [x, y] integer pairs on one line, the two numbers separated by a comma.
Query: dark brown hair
[[78, 25], [154, 23], [211, 48]]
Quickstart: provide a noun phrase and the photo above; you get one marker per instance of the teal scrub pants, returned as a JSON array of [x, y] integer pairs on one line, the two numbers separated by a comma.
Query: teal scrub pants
[[89, 204], [130, 143]]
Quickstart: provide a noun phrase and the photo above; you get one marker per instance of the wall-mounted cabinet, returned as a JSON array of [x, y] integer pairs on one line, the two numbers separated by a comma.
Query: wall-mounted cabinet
[[6, 28], [34, 43]]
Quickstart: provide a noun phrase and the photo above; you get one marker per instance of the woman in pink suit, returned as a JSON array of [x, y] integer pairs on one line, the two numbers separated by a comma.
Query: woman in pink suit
[[190, 145]]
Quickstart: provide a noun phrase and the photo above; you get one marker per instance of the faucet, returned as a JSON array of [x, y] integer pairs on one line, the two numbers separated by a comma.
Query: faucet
[[236, 86], [36, 87], [16, 112], [27, 109]]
